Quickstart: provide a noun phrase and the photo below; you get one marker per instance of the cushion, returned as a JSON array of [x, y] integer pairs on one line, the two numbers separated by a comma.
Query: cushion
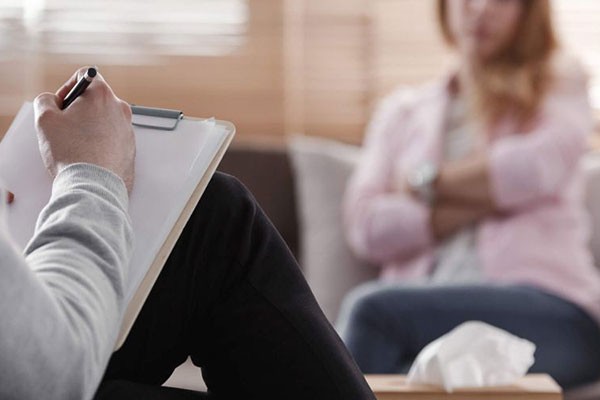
[[321, 169], [591, 167], [266, 171]]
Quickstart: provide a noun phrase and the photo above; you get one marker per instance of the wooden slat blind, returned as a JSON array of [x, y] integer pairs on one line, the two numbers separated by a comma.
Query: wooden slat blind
[[578, 24], [206, 57], [137, 31], [407, 46], [275, 67], [331, 58]]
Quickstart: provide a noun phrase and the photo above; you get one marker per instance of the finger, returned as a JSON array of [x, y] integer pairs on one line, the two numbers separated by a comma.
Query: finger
[[46, 103], [68, 85], [10, 197]]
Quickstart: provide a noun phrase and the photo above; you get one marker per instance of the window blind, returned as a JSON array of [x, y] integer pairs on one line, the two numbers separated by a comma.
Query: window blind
[[12, 32], [123, 31], [310, 66], [578, 24], [206, 57]]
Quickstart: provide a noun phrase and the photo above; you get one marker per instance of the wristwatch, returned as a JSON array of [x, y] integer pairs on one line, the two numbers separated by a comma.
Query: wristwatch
[[421, 181]]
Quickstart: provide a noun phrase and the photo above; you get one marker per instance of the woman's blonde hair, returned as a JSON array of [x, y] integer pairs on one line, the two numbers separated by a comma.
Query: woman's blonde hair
[[517, 78]]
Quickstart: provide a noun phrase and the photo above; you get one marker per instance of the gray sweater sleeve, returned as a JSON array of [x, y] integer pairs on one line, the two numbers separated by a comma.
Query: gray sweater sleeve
[[61, 303]]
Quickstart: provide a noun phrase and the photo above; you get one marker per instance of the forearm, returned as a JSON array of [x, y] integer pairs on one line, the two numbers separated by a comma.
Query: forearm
[[466, 183], [447, 218], [386, 227], [462, 196], [65, 299]]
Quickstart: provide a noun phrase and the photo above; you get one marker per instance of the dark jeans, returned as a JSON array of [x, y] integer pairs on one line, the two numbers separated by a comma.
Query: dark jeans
[[385, 326], [232, 297]]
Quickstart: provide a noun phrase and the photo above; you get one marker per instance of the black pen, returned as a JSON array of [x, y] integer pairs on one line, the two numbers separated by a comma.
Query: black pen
[[80, 87]]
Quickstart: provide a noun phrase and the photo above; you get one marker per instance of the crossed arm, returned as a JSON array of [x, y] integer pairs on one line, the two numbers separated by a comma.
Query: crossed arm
[[463, 196], [514, 173]]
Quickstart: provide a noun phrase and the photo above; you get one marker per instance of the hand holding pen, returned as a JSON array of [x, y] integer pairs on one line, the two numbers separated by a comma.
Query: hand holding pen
[[85, 122], [79, 87], [75, 92]]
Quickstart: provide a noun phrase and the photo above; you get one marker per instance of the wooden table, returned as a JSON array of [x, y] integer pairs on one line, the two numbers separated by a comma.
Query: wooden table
[[531, 387]]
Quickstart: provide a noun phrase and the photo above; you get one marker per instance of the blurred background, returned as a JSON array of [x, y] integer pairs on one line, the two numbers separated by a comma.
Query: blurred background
[[273, 67]]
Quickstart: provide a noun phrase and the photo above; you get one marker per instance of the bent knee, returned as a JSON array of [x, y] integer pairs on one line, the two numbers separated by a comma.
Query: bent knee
[[361, 306], [227, 191], [225, 184]]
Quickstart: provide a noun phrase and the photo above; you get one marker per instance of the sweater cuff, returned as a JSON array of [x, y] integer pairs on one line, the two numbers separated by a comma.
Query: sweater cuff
[[78, 175]]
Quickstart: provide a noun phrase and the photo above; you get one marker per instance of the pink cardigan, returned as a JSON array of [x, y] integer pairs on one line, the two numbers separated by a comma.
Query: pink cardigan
[[542, 239]]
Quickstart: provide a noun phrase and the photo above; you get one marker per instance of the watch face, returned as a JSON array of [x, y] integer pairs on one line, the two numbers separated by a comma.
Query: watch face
[[414, 179], [421, 182], [429, 171], [423, 175]]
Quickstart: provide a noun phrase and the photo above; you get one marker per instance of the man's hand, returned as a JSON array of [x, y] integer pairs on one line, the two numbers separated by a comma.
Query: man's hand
[[95, 128]]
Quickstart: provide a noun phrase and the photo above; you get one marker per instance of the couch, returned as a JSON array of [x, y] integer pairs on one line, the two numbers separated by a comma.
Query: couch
[[300, 186]]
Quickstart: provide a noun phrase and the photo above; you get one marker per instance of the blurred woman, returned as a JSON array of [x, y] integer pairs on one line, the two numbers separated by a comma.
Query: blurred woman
[[469, 196]]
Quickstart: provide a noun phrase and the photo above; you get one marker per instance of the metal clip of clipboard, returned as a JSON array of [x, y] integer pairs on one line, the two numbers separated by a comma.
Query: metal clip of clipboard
[[165, 113]]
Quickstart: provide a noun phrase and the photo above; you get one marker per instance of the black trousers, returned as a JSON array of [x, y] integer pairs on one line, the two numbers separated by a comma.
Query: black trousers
[[232, 297]]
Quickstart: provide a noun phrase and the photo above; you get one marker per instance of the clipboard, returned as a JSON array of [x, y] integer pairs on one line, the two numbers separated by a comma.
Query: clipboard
[[176, 158], [174, 117]]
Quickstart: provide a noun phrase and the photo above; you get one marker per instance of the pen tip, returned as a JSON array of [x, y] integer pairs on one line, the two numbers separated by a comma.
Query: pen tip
[[11, 197], [91, 72]]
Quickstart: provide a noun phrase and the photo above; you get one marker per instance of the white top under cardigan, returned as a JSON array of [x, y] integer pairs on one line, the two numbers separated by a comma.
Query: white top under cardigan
[[457, 261]]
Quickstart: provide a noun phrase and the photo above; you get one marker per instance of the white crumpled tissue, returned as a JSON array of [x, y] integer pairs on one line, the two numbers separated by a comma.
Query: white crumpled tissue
[[474, 354]]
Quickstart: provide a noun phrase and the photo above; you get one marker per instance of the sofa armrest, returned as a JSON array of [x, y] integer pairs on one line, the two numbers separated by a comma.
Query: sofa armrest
[[321, 169]]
